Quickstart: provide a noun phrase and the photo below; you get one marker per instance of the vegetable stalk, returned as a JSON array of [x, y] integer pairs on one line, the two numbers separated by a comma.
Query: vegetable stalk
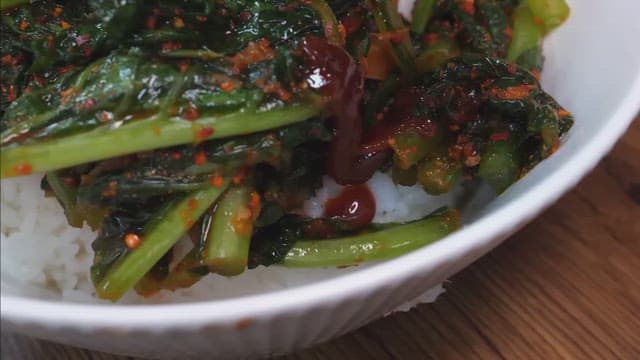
[[158, 237], [142, 135], [379, 245], [227, 248]]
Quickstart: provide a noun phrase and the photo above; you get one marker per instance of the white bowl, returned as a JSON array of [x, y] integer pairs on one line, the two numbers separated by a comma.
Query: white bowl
[[592, 68]]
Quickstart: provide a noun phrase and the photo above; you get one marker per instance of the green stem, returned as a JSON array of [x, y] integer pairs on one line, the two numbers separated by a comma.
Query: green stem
[[378, 245], [329, 22], [6, 4], [202, 54], [227, 248], [526, 33], [388, 19], [157, 238], [421, 14], [67, 197], [142, 135]]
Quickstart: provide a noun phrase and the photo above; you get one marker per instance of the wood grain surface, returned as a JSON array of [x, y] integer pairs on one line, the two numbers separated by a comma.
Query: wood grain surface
[[566, 286]]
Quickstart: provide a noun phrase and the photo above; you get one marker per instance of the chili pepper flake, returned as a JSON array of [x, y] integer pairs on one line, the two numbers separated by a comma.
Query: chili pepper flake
[[57, 11], [500, 136], [227, 86], [150, 23], [65, 25], [200, 158], [24, 25], [204, 133], [192, 204], [241, 223], [216, 181], [563, 113], [7, 60], [468, 6], [23, 168], [132, 240], [190, 113], [178, 23]]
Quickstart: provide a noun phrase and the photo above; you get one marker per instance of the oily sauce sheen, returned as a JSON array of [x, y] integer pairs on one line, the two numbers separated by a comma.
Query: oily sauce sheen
[[338, 77], [355, 206]]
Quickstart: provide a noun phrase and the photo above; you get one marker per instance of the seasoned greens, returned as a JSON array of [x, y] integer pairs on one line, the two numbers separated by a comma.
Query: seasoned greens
[[207, 124]]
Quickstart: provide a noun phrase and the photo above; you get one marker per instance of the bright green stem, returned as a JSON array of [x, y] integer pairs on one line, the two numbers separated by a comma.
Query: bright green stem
[[388, 19], [422, 10], [142, 135], [6, 4], [526, 33], [329, 22], [227, 247], [202, 54], [157, 238], [552, 12], [378, 245], [499, 165]]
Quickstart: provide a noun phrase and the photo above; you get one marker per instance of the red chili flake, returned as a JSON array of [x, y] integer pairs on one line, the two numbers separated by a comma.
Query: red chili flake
[[23, 168], [191, 113], [183, 66], [284, 95], [239, 177], [227, 86], [398, 36], [170, 45], [24, 25], [38, 80], [178, 23], [512, 68], [216, 181], [508, 31], [50, 42], [430, 38], [105, 116], [192, 204], [157, 131], [245, 16], [468, 6], [83, 39], [204, 133], [200, 158], [7, 60], [563, 113], [65, 25], [150, 24], [500, 136], [57, 11], [132, 240]]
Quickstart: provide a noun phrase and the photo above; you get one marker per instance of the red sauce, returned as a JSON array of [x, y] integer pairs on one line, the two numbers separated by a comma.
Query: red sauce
[[338, 77], [398, 118], [355, 206]]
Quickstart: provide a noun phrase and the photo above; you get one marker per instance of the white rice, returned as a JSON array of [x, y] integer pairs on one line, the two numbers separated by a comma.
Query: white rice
[[42, 256]]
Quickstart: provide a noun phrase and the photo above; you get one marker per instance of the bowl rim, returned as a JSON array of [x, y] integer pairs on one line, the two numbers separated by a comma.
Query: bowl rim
[[494, 226]]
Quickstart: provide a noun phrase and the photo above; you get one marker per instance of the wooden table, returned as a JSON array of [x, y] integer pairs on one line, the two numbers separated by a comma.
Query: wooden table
[[566, 286]]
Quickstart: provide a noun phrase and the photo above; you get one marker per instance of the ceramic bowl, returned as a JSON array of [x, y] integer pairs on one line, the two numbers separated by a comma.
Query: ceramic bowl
[[592, 68]]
